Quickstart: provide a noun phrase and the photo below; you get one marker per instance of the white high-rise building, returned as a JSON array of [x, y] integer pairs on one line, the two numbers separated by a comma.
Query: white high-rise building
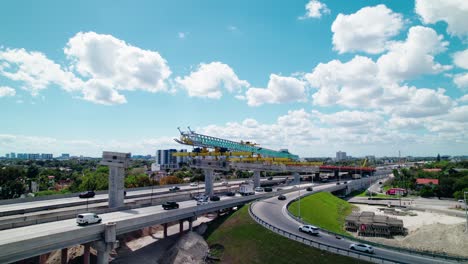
[[165, 159], [340, 155]]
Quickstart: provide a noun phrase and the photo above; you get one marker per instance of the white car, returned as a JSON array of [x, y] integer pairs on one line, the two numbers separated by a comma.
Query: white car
[[362, 248], [193, 184], [225, 183], [202, 202], [88, 218], [461, 201], [310, 229], [259, 189]]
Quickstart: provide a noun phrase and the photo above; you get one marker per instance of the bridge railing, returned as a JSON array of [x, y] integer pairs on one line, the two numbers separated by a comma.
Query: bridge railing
[[399, 249], [322, 246]]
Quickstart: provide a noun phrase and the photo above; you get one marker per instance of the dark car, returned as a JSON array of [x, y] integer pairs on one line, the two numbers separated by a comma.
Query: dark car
[[174, 189], [170, 205], [231, 194], [281, 197], [268, 189], [338, 183], [88, 194], [309, 189], [214, 198], [345, 182], [270, 178]]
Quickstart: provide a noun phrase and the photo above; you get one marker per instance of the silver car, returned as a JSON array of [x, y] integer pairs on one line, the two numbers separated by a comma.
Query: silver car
[[362, 247]]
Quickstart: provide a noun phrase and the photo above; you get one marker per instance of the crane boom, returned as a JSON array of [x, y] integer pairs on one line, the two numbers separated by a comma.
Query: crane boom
[[194, 139]]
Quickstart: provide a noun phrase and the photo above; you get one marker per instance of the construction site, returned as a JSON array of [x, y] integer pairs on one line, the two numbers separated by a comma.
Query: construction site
[[371, 225]]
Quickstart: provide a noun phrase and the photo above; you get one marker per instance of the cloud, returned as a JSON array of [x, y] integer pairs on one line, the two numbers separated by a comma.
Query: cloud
[[423, 103], [209, 79], [7, 91], [315, 9], [35, 71], [350, 118], [368, 30], [414, 56], [453, 12], [100, 92], [463, 99], [345, 83], [461, 80], [279, 90], [182, 35], [461, 59], [126, 67]]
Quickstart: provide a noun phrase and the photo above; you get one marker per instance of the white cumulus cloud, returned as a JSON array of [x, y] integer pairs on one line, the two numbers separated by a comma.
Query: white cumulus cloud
[[414, 56], [35, 71], [461, 59], [453, 12], [280, 89], [209, 79], [461, 80], [368, 30], [126, 67], [315, 9], [7, 91]]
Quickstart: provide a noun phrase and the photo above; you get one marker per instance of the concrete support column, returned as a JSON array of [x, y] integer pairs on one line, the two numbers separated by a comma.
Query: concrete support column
[[64, 256], [190, 224], [165, 230], [181, 226], [103, 251], [43, 258], [116, 186], [86, 253], [257, 179], [297, 178], [209, 181]]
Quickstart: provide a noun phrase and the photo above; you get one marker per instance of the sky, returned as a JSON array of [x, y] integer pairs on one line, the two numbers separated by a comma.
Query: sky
[[316, 77]]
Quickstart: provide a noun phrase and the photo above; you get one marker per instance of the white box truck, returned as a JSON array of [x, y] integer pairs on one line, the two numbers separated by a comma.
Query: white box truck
[[246, 189]]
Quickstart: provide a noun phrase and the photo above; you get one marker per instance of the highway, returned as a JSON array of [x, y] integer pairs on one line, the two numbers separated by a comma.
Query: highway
[[274, 212]]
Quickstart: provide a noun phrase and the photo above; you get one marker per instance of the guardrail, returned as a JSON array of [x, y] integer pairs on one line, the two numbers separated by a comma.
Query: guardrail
[[399, 249], [322, 246]]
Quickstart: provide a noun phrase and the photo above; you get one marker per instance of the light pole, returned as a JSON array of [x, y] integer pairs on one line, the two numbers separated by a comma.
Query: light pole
[[152, 188], [300, 200]]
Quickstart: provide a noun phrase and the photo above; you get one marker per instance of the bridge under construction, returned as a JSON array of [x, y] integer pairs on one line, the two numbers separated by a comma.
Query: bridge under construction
[[212, 153]]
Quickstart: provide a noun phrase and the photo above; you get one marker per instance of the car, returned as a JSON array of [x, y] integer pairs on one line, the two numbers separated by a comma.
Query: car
[[362, 247], [201, 196], [380, 182], [170, 205], [345, 182], [225, 183], [174, 189], [461, 201], [230, 193], [259, 189], [310, 229], [338, 183], [281, 197], [88, 194], [309, 189], [268, 189], [279, 189], [88, 218], [270, 178], [202, 202], [194, 184], [214, 198]]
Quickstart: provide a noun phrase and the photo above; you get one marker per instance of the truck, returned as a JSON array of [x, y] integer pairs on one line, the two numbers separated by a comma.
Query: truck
[[246, 189]]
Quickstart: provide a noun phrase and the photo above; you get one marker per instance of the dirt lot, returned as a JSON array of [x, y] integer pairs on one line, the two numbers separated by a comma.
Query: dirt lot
[[428, 231]]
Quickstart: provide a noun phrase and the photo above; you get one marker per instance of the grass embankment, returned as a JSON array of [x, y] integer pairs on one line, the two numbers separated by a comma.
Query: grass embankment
[[324, 210], [245, 241]]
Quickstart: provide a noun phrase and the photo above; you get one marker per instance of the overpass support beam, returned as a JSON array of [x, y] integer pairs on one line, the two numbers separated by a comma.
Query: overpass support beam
[[165, 230], [64, 256], [297, 178], [181, 226], [43, 258], [190, 224], [257, 178], [86, 253], [209, 181], [104, 247]]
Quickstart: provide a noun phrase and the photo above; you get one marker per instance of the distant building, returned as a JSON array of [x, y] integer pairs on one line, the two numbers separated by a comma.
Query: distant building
[[7, 156], [432, 170], [340, 155], [65, 156], [22, 156], [166, 160], [423, 181], [46, 156], [12, 155], [34, 156]]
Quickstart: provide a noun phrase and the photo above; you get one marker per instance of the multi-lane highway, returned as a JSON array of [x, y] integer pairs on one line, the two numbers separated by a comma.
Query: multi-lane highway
[[274, 212]]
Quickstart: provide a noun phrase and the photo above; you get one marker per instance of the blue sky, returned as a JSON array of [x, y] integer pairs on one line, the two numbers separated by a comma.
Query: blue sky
[[366, 77]]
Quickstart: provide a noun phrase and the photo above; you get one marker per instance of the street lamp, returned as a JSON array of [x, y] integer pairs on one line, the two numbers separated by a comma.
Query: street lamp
[[299, 199]]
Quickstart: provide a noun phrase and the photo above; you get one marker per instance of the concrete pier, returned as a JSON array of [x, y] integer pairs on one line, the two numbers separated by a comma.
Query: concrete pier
[[117, 163], [209, 181], [257, 178]]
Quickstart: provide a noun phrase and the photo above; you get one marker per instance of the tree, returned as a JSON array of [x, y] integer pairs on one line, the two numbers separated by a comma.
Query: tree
[[170, 180], [11, 182], [32, 172], [438, 158]]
